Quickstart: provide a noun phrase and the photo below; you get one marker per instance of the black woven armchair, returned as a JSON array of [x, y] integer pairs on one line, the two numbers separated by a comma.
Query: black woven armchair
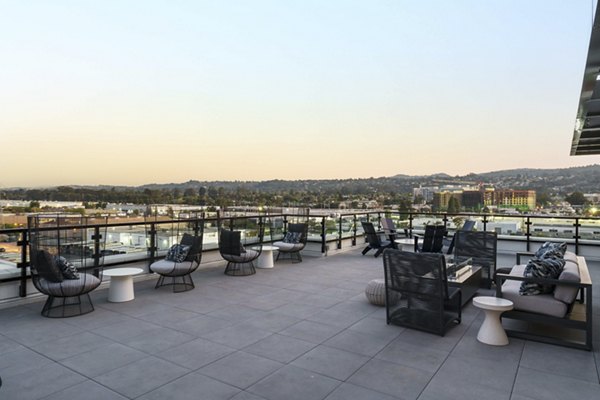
[[482, 248], [374, 241], [293, 242], [240, 261], [178, 273], [63, 263], [419, 280]]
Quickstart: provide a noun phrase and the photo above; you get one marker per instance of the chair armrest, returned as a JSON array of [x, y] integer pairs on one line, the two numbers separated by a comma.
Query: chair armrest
[[538, 280], [523, 254]]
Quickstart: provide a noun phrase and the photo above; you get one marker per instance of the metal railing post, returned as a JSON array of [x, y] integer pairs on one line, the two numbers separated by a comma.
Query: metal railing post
[[23, 243], [354, 231], [323, 240], [153, 249], [339, 245], [528, 233], [577, 237]]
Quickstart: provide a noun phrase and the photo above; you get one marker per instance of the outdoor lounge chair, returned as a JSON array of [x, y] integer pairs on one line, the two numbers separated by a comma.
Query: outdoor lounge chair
[[293, 241], [419, 280], [373, 239], [180, 272], [240, 261]]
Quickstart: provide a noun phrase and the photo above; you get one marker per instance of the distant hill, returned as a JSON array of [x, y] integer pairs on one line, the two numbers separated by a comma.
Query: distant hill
[[558, 180]]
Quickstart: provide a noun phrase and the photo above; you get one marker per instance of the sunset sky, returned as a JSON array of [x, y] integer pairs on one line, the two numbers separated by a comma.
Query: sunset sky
[[134, 92]]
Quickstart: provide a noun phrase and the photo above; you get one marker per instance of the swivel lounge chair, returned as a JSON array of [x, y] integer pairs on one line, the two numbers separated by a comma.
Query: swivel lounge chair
[[179, 271], [293, 242], [63, 263], [240, 261], [373, 239], [419, 280]]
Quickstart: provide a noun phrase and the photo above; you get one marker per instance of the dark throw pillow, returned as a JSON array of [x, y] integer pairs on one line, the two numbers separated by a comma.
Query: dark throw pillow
[[230, 242], [177, 253], [46, 267], [549, 267], [195, 246], [67, 269]]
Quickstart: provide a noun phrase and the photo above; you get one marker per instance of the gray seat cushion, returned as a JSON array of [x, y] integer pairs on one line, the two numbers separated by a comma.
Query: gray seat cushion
[[166, 267], [70, 287], [288, 247], [542, 303], [248, 256], [570, 272]]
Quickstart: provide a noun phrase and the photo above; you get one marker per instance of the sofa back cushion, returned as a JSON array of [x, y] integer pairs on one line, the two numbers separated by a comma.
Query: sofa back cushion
[[564, 293]]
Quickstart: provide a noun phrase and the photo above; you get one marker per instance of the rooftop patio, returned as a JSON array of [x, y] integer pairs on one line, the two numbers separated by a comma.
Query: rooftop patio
[[298, 331]]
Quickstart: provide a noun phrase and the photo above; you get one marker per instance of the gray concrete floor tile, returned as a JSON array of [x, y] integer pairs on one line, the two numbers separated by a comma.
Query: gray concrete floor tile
[[39, 382], [280, 348], [357, 342], [246, 396], [196, 353], [121, 331], [310, 331], [103, 359], [348, 391], [540, 385], [158, 340], [237, 336], [392, 379], [272, 321], [169, 316], [236, 313], [20, 360], [148, 374], [297, 310], [376, 326], [240, 369], [410, 355], [69, 346], [86, 390], [331, 362], [495, 375], [201, 325], [292, 383], [578, 364], [192, 387]]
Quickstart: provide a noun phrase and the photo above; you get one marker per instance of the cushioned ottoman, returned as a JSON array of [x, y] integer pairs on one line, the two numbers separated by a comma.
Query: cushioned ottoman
[[375, 292]]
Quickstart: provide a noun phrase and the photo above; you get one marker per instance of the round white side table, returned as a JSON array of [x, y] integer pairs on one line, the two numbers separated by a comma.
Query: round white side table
[[121, 284], [491, 331], [407, 244], [265, 260]]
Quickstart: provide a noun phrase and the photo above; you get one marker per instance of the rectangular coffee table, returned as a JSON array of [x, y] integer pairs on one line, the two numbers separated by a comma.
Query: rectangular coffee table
[[468, 283]]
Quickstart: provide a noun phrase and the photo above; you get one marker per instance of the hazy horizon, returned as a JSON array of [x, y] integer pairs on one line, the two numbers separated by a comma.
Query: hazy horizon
[[127, 93]]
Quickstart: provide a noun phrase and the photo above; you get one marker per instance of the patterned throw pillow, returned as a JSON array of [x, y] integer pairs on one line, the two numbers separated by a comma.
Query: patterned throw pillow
[[549, 267], [67, 269], [177, 253], [550, 249], [292, 237]]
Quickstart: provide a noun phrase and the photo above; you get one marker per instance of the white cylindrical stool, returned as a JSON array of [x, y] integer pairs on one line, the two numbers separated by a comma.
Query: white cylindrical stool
[[121, 284], [491, 331], [265, 260]]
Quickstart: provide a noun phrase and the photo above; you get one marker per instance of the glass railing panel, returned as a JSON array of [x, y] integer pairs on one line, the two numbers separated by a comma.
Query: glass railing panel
[[513, 225], [552, 228]]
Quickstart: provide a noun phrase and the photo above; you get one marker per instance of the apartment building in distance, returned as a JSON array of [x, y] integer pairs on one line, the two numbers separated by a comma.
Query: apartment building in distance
[[476, 198]]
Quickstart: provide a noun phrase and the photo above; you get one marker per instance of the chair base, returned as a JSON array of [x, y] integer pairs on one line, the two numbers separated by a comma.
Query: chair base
[[66, 307], [295, 256], [186, 284], [240, 269]]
